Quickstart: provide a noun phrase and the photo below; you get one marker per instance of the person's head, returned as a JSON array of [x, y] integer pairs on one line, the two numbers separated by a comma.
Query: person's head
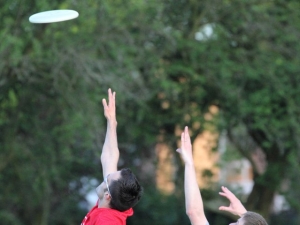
[[123, 189], [250, 218]]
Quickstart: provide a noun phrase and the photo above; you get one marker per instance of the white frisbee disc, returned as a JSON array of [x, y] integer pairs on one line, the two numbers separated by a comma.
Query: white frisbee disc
[[53, 16]]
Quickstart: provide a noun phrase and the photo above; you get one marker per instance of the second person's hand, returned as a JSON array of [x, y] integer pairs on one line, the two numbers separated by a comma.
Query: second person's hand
[[235, 207], [185, 149]]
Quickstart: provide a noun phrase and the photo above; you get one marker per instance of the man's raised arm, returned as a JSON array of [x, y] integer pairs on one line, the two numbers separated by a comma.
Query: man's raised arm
[[193, 199], [110, 151]]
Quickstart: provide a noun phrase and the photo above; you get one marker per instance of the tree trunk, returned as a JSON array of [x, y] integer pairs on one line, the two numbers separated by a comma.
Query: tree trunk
[[261, 198]]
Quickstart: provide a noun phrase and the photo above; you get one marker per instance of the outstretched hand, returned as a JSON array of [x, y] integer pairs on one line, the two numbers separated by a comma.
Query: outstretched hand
[[186, 147], [110, 108], [235, 207]]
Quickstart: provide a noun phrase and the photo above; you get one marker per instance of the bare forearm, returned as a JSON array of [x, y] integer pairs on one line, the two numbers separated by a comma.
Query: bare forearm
[[110, 151], [193, 199]]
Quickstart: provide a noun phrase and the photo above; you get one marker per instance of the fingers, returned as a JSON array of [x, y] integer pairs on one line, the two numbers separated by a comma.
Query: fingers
[[224, 208], [226, 193], [185, 136], [235, 206], [111, 97], [226, 190], [185, 139], [109, 105], [104, 103], [185, 149], [223, 194], [186, 131]]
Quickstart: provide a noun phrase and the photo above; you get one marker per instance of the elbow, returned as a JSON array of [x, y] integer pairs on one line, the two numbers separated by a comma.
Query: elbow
[[191, 213], [195, 214]]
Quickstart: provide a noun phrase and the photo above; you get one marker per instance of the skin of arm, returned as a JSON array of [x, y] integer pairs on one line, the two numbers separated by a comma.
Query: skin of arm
[[110, 151], [193, 199], [235, 207]]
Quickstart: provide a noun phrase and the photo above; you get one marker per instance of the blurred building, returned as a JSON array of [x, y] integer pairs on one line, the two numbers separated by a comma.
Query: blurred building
[[236, 174]]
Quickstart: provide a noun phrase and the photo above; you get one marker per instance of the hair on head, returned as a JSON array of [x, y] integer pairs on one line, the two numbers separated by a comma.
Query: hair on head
[[252, 218], [126, 191]]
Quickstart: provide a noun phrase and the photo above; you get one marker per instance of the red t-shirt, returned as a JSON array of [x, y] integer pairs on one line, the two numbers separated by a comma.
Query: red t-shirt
[[106, 216]]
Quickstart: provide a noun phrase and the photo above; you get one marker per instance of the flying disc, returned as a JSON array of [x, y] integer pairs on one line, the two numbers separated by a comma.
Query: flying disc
[[53, 16]]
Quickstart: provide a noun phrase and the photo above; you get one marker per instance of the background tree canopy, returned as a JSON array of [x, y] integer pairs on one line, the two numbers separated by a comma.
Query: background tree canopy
[[169, 62]]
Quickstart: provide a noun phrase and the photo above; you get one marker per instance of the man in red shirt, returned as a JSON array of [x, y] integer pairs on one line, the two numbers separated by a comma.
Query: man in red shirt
[[120, 190]]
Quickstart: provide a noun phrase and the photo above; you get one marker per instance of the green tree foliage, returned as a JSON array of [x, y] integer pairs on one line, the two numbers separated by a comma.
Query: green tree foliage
[[166, 74], [45, 110], [248, 68], [257, 83], [53, 77]]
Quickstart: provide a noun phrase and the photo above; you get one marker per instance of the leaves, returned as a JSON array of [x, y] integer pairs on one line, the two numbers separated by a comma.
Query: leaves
[[54, 76]]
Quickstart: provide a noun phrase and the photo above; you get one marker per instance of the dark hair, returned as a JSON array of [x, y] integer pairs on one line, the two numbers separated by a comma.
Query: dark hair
[[125, 192], [252, 218]]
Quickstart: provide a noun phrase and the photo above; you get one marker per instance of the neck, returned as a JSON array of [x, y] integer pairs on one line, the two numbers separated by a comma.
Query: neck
[[102, 203]]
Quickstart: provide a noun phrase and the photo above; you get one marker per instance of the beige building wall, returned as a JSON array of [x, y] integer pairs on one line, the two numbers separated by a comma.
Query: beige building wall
[[165, 169], [235, 174], [204, 159]]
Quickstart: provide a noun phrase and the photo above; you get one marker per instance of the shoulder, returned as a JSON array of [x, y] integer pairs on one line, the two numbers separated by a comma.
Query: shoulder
[[105, 217], [109, 216]]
